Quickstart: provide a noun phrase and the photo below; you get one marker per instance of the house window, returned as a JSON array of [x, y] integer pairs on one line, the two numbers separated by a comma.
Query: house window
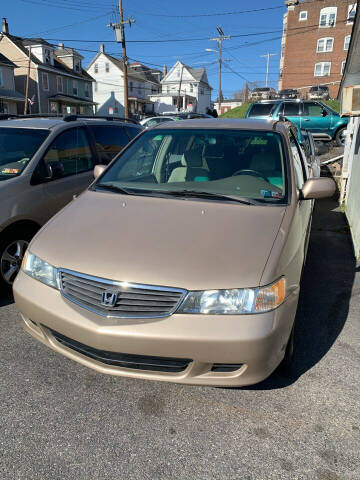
[[303, 16], [1, 78], [96, 68], [325, 45], [351, 13], [328, 17], [168, 89], [47, 55], [77, 65], [131, 86], [178, 73], [322, 69], [59, 84], [75, 87], [87, 90], [201, 91], [191, 87], [96, 86], [347, 42], [45, 81], [107, 67], [4, 108], [343, 67]]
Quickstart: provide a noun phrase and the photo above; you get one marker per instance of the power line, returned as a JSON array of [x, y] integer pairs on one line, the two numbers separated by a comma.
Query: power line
[[239, 12]]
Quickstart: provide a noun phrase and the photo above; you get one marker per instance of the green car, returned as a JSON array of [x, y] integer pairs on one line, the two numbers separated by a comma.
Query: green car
[[322, 121]]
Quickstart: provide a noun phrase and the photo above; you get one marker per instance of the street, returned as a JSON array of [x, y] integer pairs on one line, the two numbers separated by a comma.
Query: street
[[60, 420]]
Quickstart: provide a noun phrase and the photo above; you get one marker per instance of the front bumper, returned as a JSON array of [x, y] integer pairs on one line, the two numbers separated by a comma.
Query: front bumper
[[257, 342]]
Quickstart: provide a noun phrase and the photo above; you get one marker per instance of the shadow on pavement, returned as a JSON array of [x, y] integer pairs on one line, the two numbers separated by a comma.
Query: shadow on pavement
[[325, 293], [6, 299]]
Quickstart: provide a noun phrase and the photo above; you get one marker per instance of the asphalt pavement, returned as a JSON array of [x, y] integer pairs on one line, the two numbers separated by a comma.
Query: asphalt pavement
[[60, 420]]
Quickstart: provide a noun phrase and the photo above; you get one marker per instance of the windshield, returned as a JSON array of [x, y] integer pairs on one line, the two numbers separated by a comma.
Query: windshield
[[17, 146], [261, 109], [240, 164]]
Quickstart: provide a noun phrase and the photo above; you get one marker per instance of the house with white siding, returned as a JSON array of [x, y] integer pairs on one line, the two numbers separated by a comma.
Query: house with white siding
[[191, 83], [108, 73]]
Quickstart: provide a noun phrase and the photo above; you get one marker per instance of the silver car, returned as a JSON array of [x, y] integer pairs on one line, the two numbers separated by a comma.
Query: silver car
[[44, 162]]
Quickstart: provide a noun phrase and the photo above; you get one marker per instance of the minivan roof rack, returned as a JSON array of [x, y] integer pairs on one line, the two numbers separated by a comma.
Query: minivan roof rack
[[72, 118], [67, 118]]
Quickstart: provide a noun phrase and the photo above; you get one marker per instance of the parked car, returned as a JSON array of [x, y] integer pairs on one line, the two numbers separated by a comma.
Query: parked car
[[322, 121], [288, 93], [152, 121], [44, 162], [182, 262], [319, 92], [264, 93]]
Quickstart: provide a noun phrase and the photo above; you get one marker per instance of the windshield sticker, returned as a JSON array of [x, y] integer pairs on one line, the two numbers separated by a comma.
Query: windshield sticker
[[266, 193], [271, 194], [158, 137], [9, 171], [277, 195]]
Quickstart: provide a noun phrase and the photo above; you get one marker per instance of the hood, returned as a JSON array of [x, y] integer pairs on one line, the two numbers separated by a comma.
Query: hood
[[195, 245]]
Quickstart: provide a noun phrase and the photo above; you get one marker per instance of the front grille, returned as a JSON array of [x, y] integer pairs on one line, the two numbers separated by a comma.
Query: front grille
[[125, 360], [132, 300]]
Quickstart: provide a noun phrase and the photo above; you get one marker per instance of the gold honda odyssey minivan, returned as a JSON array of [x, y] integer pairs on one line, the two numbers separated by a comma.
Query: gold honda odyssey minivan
[[182, 261]]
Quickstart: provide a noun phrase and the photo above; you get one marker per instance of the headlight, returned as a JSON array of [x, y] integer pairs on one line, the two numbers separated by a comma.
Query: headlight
[[235, 301], [40, 270]]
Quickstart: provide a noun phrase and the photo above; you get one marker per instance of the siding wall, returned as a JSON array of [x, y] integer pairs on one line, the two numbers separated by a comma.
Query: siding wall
[[10, 51], [352, 201]]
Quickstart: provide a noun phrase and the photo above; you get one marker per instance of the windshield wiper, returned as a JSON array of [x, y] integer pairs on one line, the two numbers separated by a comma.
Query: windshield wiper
[[111, 188], [209, 195]]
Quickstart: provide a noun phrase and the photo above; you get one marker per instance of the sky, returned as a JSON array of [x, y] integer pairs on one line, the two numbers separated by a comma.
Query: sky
[[163, 32]]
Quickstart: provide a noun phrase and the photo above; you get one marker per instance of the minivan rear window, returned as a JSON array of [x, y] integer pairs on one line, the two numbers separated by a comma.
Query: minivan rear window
[[260, 109], [17, 147]]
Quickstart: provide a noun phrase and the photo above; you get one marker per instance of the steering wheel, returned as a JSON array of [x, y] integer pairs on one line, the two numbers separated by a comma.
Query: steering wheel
[[254, 173]]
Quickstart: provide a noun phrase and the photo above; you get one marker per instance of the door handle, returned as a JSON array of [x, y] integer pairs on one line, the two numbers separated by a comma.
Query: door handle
[[306, 119]]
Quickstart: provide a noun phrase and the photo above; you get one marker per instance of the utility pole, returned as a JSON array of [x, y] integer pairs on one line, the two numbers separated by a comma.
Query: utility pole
[[267, 56], [119, 29], [220, 39], [27, 83], [179, 91]]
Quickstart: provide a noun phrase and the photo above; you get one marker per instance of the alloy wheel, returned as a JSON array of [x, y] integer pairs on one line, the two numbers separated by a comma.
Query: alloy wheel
[[11, 259]]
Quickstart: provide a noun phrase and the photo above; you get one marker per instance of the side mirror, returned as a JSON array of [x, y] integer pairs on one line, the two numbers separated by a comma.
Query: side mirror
[[315, 188], [324, 113], [54, 170], [98, 170]]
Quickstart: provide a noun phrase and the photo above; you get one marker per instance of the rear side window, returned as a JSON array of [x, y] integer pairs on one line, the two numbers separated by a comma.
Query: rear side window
[[72, 150], [132, 131], [313, 110], [261, 109], [291, 109], [109, 140]]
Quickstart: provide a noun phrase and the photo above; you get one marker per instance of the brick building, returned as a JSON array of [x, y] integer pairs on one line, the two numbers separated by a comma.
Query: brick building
[[316, 37]]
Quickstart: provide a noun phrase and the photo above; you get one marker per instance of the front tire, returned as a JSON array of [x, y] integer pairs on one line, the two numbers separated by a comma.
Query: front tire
[[340, 137], [13, 246]]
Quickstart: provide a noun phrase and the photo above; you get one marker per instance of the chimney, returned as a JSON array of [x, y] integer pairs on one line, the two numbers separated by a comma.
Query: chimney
[[164, 70], [4, 26], [61, 45], [102, 47]]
